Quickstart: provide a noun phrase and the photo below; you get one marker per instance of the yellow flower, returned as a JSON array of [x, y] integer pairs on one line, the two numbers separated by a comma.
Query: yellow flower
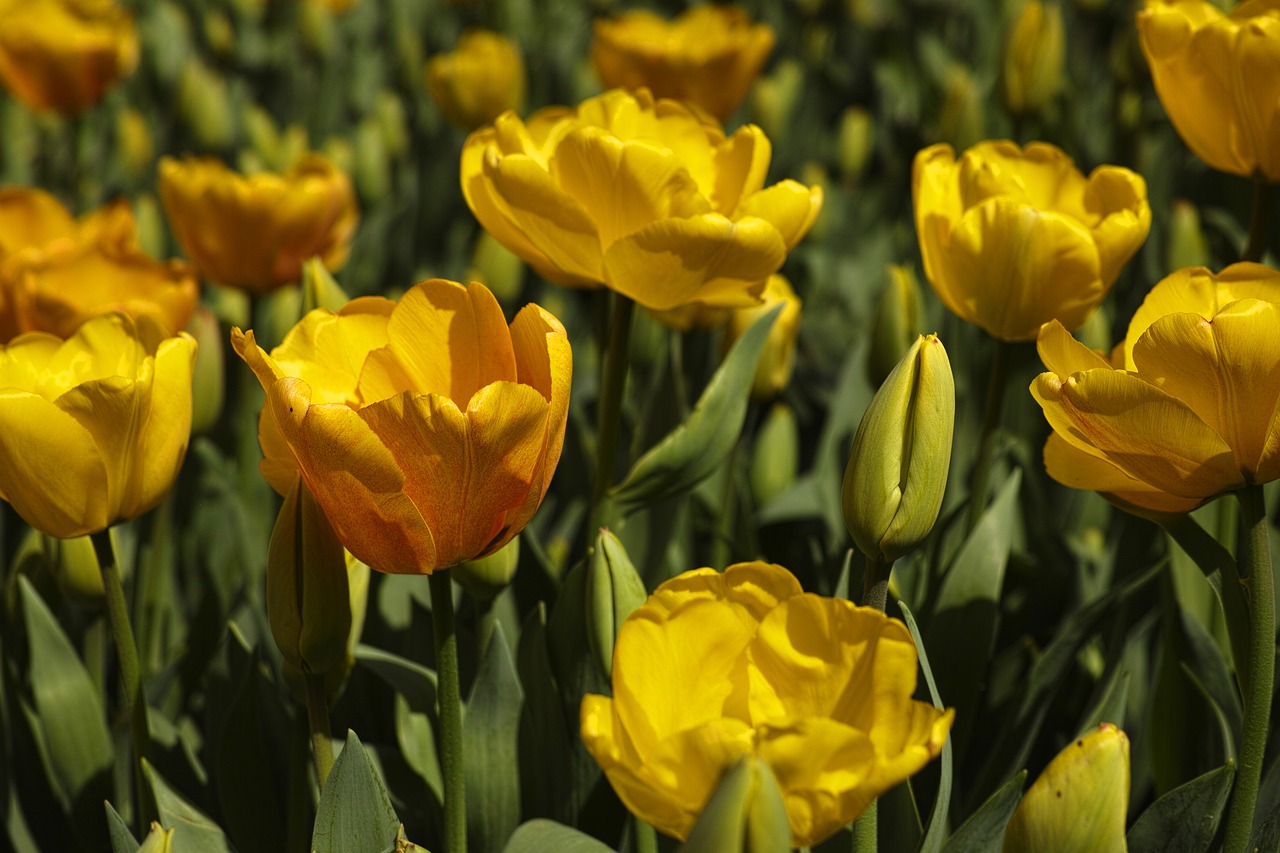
[[778, 358], [1013, 238], [713, 667], [479, 80], [1218, 76], [686, 219], [93, 429], [254, 232], [427, 430], [709, 55], [1188, 411], [1033, 57], [63, 55]]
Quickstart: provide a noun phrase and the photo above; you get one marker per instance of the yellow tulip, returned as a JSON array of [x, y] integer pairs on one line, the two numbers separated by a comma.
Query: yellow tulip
[[427, 430], [778, 358], [1218, 76], [63, 55], [687, 218], [1033, 58], [479, 80], [93, 428], [255, 232], [1014, 237], [1188, 409], [714, 667], [709, 55]]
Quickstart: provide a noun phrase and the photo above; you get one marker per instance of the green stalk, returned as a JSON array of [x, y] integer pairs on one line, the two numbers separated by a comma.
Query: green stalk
[[449, 698], [319, 726], [1257, 245], [875, 583], [1254, 556], [643, 838], [981, 482], [613, 380], [135, 703], [864, 830]]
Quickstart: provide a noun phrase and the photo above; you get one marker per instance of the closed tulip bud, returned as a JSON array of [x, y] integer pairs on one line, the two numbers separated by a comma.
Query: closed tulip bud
[[294, 146], [208, 381], [308, 596], [897, 323], [774, 99], [778, 358], [391, 120], [494, 266], [158, 840], [857, 138], [960, 120], [897, 470], [746, 814], [137, 150], [488, 576], [372, 171], [482, 78], [777, 455], [76, 565], [219, 34], [1033, 58], [263, 134], [204, 106], [614, 589], [341, 153], [149, 220], [1079, 802], [1187, 246], [168, 41]]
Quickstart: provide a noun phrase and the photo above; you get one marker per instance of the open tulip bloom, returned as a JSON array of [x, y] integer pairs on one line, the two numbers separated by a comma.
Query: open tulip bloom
[[427, 429], [1188, 410], [713, 667]]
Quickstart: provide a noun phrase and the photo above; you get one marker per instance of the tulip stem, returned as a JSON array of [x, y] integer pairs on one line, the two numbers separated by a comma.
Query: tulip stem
[[980, 484], [449, 699], [1254, 556], [865, 830], [643, 838], [319, 727], [135, 702], [613, 379], [875, 583], [1257, 245]]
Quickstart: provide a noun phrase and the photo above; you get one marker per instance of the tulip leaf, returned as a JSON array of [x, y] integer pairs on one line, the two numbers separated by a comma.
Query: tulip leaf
[[122, 840], [1185, 819], [539, 836], [695, 448], [983, 831], [415, 735], [490, 729], [68, 712], [195, 832], [413, 681], [355, 812], [937, 828], [544, 731]]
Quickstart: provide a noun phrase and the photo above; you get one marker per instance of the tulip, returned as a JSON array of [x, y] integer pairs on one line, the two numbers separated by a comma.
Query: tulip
[[1215, 73], [479, 80], [427, 430], [897, 471], [63, 55], [1079, 803], [94, 427], [775, 460], [856, 142], [896, 325], [208, 383], [255, 232], [487, 577], [716, 668], [1014, 237], [709, 55], [687, 219], [1033, 58], [1188, 409], [778, 359], [614, 591]]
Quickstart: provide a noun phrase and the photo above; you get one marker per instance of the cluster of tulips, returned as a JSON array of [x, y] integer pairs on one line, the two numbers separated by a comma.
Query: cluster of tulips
[[420, 435]]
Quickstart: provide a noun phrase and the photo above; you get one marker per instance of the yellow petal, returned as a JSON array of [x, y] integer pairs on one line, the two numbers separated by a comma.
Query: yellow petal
[[113, 411], [1077, 468], [1257, 76], [752, 589], [328, 350], [31, 217], [741, 165], [1117, 199], [166, 432], [1063, 354], [788, 206]]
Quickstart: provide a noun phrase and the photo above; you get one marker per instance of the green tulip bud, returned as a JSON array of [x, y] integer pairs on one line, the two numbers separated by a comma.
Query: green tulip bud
[[203, 104], [76, 565], [208, 382], [614, 589], [167, 35], [746, 813], [279, 311], [1034, 54], [857, 138], [372, 166], [897, 470], [1187, 246], [158, 840], [308, 592], [294, 145], [1095, 332], [774, 99], [339, 150], [1079, 802], [219, 33], [488, 576], [897, 322], [318, 32], [150, 222], [263, 134], [960, 121], [391, 120], [776, 457]]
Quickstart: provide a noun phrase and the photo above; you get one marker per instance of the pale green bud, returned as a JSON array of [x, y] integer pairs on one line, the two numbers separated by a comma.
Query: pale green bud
[[897, 322], [320, 289], [960, 121], [372, 166], [776, 457], [318, 32], [158, 840], [746, 813], [278, 312], [203, 105], [263, 134], [293, 146], [1080, 801], [488, 576], [897, 470], [136, 147], [857, 138], [774, 99], [149, 219], [208, 383], [76, 564], [1187, 245], [389, 110], [219, 33], [614, 589], [1034, 54]]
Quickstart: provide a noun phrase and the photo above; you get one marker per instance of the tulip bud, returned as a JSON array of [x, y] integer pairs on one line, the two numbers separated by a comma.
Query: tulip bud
[[391, 120], [207, 381], [219, 34], [773, 370], [774, 99], [318, 32], [76, 565], [1079, 802], [1187, 246], [279, 312], [294, 145], [320, 289], [339, 151], [308, 593], [158, 840], [777, 455], [203, 105], [897, 470], [857, 138], [897, 323], [746, 813], [372, 166], [149, 222], [497, 268], [263, 134], [614, 589], [168, 41], [488, 576], [137, 150], [960, 120], [1033, 58], [479, 80]]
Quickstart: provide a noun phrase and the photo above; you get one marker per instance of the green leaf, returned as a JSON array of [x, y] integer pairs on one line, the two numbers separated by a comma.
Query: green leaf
[[415, 734], [1110, 707], [694, 449], [195, 832], [937, 828], [544, 733], [490, 729], [1185, 819], [354, 812], [411, 680], [540, 836], [983, 831], [122, 840]]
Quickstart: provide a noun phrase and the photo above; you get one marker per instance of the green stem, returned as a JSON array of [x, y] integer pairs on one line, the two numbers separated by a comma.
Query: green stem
[[864, 830], [613, 379], [980, 484], [319, 727], [1257, 245], [449, 698], [1254, 556], [875, 583], [135, 703], [644, 839]]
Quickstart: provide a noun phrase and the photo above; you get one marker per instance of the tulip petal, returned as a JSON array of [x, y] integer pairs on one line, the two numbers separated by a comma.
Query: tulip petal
[[741, 165], [1078, 468], [789, 206], [167, 430], [705, 258], [1117, 199], [752, 589], [544, 361], [327, 350], [1257, 86], [112, 410], [31, 217], [1063, 354]]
